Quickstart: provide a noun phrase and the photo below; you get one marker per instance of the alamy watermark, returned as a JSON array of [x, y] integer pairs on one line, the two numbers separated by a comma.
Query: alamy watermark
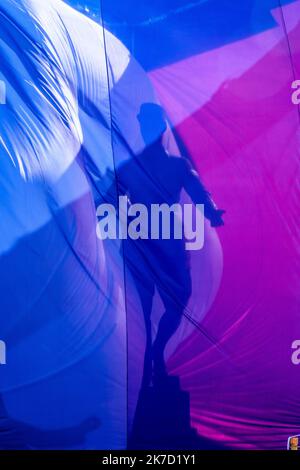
[[296, 352], [2, 353], [296, 92], [2, 92], [154, 222]]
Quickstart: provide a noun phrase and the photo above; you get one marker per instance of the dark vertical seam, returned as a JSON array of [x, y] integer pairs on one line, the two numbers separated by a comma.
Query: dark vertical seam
[[117, 192]]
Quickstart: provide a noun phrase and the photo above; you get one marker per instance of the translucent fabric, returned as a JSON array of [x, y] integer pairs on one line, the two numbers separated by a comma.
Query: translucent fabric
[[62, 301], [79, 315]]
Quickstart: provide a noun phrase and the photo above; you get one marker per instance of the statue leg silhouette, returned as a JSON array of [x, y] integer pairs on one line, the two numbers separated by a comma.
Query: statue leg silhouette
[[147, 300], [168, 326], [175, 304]]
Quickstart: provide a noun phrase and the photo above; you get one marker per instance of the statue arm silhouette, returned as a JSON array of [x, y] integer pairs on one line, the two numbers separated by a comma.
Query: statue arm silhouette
[[199, 195]]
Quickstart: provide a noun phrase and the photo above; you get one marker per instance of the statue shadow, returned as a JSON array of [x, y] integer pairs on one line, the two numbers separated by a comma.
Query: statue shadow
[[16, 435], [162, 419]]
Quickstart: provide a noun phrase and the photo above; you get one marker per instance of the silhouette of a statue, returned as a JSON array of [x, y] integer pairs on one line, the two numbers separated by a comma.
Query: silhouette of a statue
[[155, 177]]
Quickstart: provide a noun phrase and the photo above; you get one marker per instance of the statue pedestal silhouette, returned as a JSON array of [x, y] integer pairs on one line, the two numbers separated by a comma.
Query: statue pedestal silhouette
[[162, 419]]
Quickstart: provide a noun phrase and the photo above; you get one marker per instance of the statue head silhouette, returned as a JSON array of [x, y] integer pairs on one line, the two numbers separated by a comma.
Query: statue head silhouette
[[153, 124]]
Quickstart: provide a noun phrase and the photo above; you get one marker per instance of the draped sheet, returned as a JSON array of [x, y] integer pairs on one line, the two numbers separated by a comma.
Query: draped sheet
[[62, 301], [70, 312]]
